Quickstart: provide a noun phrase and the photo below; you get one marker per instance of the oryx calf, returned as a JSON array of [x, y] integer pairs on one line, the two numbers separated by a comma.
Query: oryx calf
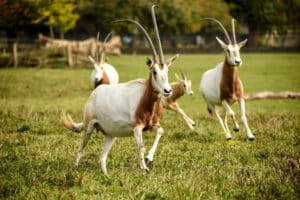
[[126, 109], [222, 85], [180, 87]]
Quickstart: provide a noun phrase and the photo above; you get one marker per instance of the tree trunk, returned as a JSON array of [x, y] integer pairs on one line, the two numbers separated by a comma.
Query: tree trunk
[[51, 32], [11, 35], [253, 34]]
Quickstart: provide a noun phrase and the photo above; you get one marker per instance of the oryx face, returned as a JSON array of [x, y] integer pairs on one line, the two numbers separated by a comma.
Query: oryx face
[[160, 76], [232, 52], [233, 55], [160, 79], [187, 85], [98, 72]]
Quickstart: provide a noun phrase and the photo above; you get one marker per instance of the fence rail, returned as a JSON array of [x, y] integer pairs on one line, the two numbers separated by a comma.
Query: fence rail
[[27, 52]]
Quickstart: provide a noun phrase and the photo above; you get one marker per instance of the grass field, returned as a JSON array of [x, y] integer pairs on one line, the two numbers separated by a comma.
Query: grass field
[[37, 153]]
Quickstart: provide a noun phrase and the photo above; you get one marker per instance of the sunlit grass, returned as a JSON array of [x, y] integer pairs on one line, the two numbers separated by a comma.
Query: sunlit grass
[[37, 153]]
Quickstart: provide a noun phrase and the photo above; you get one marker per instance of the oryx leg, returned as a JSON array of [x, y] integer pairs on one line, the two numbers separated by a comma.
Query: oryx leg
[[212, 109], [244, 119], [86, 136], [108, 143], [231, 113], [188, 120], [159, 131], [225, 119], [138, 135]]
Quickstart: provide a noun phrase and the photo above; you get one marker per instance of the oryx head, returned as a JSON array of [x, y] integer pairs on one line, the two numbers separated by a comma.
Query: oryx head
[[186, 83], [158, 65], [232, 50], [100, 59]]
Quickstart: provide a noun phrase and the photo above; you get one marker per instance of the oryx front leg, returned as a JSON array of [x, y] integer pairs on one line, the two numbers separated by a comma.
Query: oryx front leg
[[108, 142], [244, 119], [188, 120], [86, 136], [225, 120], [227, 132], [231, 113], [138, 135], [159, 131]]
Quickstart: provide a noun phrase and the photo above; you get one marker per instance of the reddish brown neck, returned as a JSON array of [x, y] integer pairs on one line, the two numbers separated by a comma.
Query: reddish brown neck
[[177, 89], [231, 87], [149, 108], [104, 80]]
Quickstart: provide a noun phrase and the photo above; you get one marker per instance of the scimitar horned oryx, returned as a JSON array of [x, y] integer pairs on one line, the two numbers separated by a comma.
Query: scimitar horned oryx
[[103, 73], [126, 109], [222, 84]]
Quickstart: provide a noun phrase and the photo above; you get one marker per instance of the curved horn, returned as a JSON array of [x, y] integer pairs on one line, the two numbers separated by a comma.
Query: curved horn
[[233, 30], [145, 33], [97, 48], [107, 37], [161, 55], [221, 25]]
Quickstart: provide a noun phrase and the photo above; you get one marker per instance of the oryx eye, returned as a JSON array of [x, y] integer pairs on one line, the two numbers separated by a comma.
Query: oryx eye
[[184, 85], [228, 51], [154, 72]]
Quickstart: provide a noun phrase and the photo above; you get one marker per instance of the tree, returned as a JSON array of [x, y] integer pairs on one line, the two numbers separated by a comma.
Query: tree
[[262, 16], [57, 14], [15, 14]]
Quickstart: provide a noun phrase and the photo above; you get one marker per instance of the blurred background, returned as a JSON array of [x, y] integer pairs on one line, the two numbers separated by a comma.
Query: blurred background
[[50, 32]]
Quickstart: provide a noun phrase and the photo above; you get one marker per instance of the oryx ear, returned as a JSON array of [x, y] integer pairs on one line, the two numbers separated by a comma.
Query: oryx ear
[[243, 43], [223, 45], [149, 62], [177, 77], [171, 60]]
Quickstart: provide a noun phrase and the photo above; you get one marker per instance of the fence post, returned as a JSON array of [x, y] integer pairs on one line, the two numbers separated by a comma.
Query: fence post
[[15, 54], [69, 56]]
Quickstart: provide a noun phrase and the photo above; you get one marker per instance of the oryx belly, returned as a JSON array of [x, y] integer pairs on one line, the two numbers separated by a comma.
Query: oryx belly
[[210, 84], [116, 105]]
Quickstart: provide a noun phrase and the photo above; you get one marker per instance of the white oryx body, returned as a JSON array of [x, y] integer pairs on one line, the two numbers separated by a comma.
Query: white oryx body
[[222, 85], [180, 87], [127, 109]]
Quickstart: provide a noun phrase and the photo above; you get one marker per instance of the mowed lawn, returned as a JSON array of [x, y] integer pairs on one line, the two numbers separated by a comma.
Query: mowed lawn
[[37, 153]]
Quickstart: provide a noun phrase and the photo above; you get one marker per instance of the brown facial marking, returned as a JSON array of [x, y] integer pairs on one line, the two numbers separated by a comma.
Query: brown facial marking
[[231, 88], [104, 80]]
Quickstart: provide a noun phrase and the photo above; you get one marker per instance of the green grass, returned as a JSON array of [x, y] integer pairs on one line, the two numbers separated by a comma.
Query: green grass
[[37, 153]]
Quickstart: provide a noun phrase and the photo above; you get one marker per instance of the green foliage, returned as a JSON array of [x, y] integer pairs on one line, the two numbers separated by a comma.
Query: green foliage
[[16, 13], [59, 14], [37, 153]]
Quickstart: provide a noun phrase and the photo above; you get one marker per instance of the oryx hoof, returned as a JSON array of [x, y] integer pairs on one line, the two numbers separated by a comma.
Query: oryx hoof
[[148, 162], [236, 129], [229, 138], [251, 138]]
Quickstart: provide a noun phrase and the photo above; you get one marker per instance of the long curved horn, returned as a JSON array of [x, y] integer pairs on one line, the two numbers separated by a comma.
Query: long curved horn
[[107, 37], [97, 48], [155, 57], [221, 25], [161, 55], [233, 30]]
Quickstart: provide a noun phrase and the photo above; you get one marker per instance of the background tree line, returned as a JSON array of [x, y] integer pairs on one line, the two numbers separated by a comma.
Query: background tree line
[[87, 17]]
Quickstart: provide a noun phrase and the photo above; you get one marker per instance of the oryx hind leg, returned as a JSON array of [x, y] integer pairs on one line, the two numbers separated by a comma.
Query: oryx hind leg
[[232, 115], [108, 143], [86, 136]]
